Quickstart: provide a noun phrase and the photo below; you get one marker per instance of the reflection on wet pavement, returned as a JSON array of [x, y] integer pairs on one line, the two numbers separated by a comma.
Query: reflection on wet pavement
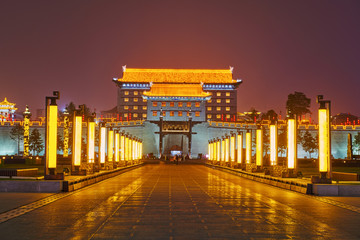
[[186, 202]]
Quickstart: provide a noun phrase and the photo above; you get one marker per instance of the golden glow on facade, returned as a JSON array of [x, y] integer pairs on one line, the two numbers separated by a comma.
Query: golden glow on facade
[[102, 147], [248, 147], [91, 142], [232, 148], [324, 141], [110, 145], [291, 144], [117, 146], [77, 139], [239, 147], [51, 138], [259, 147], [176, 90], [273, 144]]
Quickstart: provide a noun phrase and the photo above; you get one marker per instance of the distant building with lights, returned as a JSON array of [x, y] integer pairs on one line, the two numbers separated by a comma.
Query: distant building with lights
[[176, 100], [7, 110]]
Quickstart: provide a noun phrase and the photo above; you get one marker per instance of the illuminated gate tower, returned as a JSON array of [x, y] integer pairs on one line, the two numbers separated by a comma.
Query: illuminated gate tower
[[7, 110], [176, 99]]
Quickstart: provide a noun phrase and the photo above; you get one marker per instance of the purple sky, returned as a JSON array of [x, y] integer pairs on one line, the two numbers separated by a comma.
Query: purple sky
[[275, 47]]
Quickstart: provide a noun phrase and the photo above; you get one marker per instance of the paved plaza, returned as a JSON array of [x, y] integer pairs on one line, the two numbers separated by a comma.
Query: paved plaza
[[166, 201]]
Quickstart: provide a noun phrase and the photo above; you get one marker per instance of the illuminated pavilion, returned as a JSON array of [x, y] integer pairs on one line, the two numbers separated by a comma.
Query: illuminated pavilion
[[175, 100], [7, 110]]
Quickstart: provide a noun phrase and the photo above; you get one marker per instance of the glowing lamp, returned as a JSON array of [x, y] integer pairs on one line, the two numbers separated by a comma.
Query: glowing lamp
[[122, 148], [126, 148], [77, 139], [292, 152], [273, 144], [117, 146], [209, 150], [51, 136], [248, 147], [227, 148], [239, 147], [324, 140], [91, 142], [222, 150], [130, 149], [218, 150], [259, 147], [102, 148], [232, 148], [110, 145], [66, 134]]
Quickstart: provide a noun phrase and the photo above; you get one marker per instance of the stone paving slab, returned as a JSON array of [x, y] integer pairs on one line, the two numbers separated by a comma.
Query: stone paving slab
[[185, 202]]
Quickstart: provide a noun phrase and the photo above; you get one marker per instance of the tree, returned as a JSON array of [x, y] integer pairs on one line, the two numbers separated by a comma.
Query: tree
[[308, 142], [282, 141], [60, 142], [35, 142], [71, 107], [269, 115], [297, 104], [356, 142], [17, 134]]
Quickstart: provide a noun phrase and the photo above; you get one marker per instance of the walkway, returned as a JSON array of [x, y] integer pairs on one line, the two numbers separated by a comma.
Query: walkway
[[182, 202]]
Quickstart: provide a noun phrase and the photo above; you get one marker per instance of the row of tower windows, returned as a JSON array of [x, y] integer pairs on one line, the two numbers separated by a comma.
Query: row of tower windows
[[135, 107], [217, 116], [134, 100], [136, 93], [135, 115], [218, 108], [172, 104], [219, 100], [172, 113]]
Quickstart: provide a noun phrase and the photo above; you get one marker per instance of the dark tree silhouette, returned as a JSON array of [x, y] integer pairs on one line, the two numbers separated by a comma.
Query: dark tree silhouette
[[17, 134], [297, 104], [35, 142]]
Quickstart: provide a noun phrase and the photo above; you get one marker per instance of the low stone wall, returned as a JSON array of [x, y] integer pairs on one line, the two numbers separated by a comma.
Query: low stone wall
[[282, 183]]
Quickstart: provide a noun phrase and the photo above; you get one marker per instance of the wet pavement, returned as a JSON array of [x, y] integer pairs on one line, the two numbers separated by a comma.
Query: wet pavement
[[166, 201]]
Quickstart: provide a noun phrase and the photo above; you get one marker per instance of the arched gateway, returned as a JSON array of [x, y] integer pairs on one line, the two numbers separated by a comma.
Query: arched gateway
[[175, 100]]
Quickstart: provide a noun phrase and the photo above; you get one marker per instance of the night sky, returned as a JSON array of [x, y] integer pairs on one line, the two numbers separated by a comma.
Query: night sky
[[275, 47]]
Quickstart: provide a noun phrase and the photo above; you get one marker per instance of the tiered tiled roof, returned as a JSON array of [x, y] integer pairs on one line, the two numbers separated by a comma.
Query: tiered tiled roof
[[219, 76]]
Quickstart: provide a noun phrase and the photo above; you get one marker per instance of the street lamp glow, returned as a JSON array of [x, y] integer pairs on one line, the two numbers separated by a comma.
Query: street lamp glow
[[239, 147], [77, 139], [259, 147], [102, 147], [324, 140], [222, 150], [126, 149], [117, 146], [227, 148], [273, 144], [291, 144], [122, 148], [232, 148], [248, 147], [110, 145], [91, 142], [51, 138]]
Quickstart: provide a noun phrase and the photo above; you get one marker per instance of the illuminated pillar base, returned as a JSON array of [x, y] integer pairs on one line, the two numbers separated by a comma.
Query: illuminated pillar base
[[289, 173], [53, 175], [322, 179]]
